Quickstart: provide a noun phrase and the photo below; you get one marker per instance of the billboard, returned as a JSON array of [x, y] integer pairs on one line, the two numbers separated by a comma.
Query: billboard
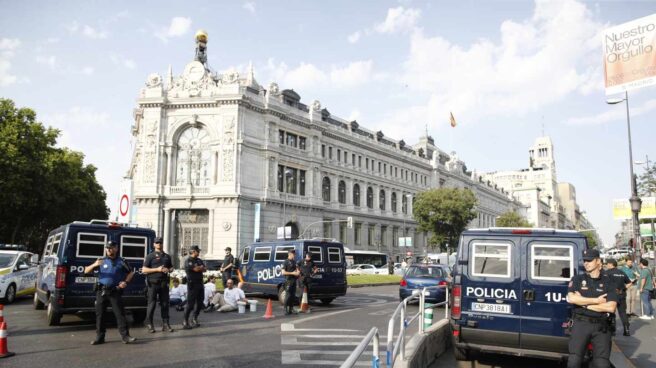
[[630, 55], [622, 208]]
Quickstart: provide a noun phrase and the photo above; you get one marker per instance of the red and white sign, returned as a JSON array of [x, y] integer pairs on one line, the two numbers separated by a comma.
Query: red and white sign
[[124, 213]]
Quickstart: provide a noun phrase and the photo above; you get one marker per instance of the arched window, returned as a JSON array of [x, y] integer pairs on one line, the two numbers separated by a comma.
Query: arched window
[[341, 192], [325, 189], [393, 201], [356, 195], [370, 197], [193, 160], [381, 199], [404, 204]]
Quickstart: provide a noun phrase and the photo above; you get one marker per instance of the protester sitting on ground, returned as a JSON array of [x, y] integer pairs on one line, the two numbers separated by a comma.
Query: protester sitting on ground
[[181, 289], [210, 290], [227, 302], [175, 294]]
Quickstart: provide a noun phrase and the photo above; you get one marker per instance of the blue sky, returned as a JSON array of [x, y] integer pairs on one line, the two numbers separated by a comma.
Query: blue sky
[[506, 69]]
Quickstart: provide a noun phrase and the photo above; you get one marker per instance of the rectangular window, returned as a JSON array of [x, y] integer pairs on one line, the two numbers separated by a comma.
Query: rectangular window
[[330, 153], [133, 247], [55, 244], [342, 232], [353, 159], [395, 236], [379, 164], [281, 178], [357, 229], [328, 229], [371, 235], [91, 245], [281, 136], [262, 254], [359, 161], [323, 150], [383, 235], [245, 257], [334, 255], [281, 252], [551, 262], [301, 187], [385, 169], [491, 259], [48, 246], [291, 178], [396, 172], [316, 254], [292, 139], [301, 143], [366, 163], [339, 155], [346, 157]]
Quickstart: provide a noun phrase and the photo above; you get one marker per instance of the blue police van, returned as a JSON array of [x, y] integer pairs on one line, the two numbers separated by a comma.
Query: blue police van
[[261, 268], [509, 291], [62, 287]]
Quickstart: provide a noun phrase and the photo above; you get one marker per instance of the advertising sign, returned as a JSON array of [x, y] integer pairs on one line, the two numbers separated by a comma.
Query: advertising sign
[[622, 208]]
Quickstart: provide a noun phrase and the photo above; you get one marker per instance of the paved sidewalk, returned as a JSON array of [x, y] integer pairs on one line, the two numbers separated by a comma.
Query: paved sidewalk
[[640, 347]]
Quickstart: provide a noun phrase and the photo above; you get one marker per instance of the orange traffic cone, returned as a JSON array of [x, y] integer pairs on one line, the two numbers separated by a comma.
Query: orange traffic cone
[[2, 314], [3, 341], [269, 311], [305, 307]]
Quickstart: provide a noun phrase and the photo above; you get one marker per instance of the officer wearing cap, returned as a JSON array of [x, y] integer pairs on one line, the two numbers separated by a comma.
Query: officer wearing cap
[[114, 275], [307, 268], [194, 267], [621, 282], [227, 266], [594, 299], [157, 266], [291, 272]]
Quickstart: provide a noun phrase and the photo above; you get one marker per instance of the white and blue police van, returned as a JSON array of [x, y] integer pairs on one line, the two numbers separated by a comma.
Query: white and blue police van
[[261, 268], [17, 272], [509, 291], [62, 287]]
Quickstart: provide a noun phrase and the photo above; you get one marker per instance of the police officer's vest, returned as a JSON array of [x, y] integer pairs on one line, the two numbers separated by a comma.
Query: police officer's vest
[[112, 272]]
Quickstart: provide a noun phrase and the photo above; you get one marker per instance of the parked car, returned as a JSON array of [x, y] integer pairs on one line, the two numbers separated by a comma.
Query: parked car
[[419, 276], [364, 269], [17, 272], [618, 253]]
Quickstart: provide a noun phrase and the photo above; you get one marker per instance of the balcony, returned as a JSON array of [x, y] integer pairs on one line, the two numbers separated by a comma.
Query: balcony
[[188, 190]]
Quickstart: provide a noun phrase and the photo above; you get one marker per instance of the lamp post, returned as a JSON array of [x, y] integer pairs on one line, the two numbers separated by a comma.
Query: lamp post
[[287, 174], [651, 193], [407, 200], [636, 202]]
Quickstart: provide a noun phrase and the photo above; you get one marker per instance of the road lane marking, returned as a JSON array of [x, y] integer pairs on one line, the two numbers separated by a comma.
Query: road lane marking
[[294, 357]]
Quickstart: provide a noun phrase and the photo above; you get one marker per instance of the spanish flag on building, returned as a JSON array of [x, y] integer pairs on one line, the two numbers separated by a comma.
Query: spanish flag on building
[[453, 120]]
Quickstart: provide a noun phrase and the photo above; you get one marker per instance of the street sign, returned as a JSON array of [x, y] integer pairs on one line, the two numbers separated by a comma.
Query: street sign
[[125, 202], [622, 209]]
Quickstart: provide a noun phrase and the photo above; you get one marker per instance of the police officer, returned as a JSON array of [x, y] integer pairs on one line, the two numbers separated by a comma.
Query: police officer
[[227, 266], [157, 266], [291, 272], [621, 282], [594, 299], [307, 268], [194, 267], [114, 275]]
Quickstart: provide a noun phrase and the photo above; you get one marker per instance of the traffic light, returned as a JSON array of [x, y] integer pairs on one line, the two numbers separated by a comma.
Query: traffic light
[[349, 222]]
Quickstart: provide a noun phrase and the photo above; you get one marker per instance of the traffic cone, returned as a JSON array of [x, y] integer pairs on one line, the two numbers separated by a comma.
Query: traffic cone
[[2, 313], [269, 311], [305, 307], [3, 341]]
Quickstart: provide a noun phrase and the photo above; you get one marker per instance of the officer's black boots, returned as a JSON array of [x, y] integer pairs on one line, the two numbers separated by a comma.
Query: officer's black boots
[[626, 331], [194, 322], [127, 339], [100, 339], [150, 328], [167, 327], [186, 325]]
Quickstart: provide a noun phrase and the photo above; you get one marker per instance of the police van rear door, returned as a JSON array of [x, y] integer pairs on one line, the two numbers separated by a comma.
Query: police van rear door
[[549, 265], [490, 304], [133, 247], [83, 247]]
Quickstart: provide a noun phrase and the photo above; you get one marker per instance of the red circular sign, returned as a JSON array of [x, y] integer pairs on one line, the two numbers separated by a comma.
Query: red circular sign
[[125, 202]]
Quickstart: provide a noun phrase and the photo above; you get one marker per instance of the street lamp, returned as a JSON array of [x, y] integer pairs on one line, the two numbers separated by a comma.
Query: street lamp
[[636, 202], [651, 193], [408, 198]]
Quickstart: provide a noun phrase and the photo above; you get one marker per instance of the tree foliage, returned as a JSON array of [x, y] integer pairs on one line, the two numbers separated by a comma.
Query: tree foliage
[[647, 182], [41, 186], [512, 219], [592, 238], [445, 212]]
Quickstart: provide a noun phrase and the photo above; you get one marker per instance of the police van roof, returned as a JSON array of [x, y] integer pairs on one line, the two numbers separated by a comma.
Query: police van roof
[[523, 231]]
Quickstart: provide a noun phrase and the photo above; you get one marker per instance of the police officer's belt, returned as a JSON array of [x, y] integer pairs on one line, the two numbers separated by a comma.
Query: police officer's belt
[[591, 319]]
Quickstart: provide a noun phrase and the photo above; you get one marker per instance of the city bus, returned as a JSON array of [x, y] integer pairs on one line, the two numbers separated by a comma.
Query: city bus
[[377, 259]]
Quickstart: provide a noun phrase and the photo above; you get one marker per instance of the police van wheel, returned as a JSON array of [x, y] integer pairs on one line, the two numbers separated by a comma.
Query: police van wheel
[[460, 354], [53, 317], [38, 304], [326, 301], [282, 293]]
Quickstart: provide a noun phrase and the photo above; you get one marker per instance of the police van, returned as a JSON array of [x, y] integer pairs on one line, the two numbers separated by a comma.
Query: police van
[[261, 268], [17, 272], [509, 291], [61, 284]]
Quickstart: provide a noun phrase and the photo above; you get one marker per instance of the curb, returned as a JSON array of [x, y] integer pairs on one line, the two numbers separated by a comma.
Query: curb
[[618, 359], [380, 284]]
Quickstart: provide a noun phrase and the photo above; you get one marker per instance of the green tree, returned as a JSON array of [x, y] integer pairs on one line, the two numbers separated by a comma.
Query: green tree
[[512, 219], [647, 181], [592, 238], [445, 212], [41, 186]]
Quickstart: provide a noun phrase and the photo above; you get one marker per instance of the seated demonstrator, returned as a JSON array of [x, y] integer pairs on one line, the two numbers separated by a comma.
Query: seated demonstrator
[[114, 274], [595, 299], [157, 266]]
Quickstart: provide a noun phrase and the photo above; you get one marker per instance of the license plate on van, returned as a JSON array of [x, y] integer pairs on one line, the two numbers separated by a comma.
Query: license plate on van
[[491, 308], [86, 280]]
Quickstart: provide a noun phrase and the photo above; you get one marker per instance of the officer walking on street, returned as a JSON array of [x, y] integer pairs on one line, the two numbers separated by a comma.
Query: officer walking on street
[[194, 267], [157, 266], [227, 266], [114, 275], [291, 273], [595, 299], [621, 282]]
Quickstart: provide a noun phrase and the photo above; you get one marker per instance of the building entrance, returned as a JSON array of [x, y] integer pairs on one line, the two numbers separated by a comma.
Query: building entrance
[[191, 228]]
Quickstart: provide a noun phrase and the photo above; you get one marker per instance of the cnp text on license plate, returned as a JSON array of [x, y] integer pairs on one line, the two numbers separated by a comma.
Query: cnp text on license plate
[[491, 308], [86, 280]]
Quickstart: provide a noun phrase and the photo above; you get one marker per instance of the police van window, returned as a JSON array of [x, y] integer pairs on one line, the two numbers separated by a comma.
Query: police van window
[[246, 255], [48, 246], [281, 252], [316, 254], [91, 245], [262, 254], [491, 259], [334, 255], [55, 244], [133, 247], [551, 262]]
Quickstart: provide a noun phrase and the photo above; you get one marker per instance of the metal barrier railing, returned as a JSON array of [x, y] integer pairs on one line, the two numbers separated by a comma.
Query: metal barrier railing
[[397, 347], [355, 355]]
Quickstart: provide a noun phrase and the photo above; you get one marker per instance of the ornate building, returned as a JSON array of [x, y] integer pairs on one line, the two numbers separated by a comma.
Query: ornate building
[[221, 161]]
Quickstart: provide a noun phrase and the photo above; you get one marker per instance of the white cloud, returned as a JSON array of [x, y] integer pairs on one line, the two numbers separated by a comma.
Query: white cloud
[[179, 27], [123, 61], [614, 114], [92, 33], [356, 73], [88, 70], [249, 6], [354, 37], [52, 40], [86, 31], [311, 77], [7, 52], [78, 126], [72, 27], [398, 20], [50, 61]]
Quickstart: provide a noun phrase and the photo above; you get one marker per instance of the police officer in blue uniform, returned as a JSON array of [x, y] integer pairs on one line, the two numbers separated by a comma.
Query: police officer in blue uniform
[[194, 267], [114, 274], [594, 299], [291, 272], [157, 266]]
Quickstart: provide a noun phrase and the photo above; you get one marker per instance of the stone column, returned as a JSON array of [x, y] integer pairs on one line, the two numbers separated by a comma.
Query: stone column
[[169, 167], [167, 231], [210, 233]]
